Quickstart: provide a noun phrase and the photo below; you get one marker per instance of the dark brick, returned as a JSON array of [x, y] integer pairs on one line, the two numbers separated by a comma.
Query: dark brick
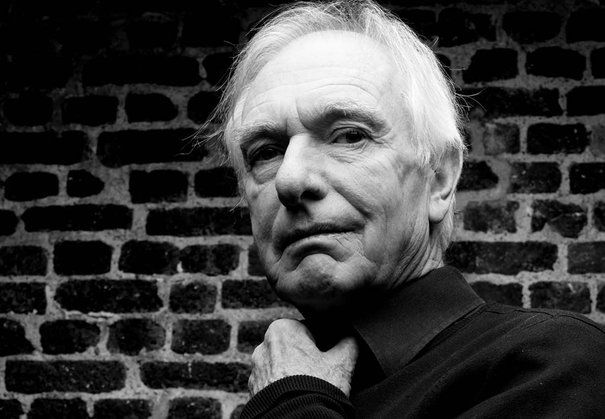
[[198, 221], [508, 258], [201, 29], [43, 147], [171, 71], [547, 138], [22, 298], [68, 336], [27, 186], [28, 109], [534, 178], [216, 182], [597, 142], [194, 407], [12, 339], [193, 297], [82, 257], [586, 257], [146, 257], [476, 176], [153, 30], [423, 22], [249, 294], [501, 138], [31, 377], [586, 25], [567, 219], [491, 64], [573, 296], [255, 267], [555, 62], [81, 183], [217, 67], [8, 222], [201, 336], [149, 107], [495, 216], [494, 102], [511, 294], [231, 377], [10, 409], [587, 178], [158, 186], [120, 148], [601, 299], [250, 334], [599, 215], [597, 60], [130, 336], [37, 71], [114, 296], [84, 34], [22, 260], [58, 409], [77, 217], [122, 408], [531, 26], [201, 105], [586, 100], [210, 260], [90, 110], [456, 27]]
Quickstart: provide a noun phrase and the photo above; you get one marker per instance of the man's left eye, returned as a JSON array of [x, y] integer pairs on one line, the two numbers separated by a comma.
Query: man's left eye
[[349, 136]]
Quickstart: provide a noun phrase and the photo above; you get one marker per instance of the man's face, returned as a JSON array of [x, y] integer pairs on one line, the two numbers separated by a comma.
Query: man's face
[[337, 201]]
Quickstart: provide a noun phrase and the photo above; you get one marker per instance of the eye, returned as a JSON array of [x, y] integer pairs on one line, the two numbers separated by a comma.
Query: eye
[[263, 153], [349, 136]]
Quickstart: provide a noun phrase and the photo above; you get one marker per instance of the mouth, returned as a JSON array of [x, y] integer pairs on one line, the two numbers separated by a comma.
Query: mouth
[[297, 234]]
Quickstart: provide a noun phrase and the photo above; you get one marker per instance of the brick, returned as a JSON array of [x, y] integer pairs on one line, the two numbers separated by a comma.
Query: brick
[[586, 100], [510, 294], [144, 257], [22, 260], [130, 336], [217, 67], [194, 407], [422, 21], [90, 110], [31, 377], [521, 26], [28, 109], [84, 34], [255, 267], [476, 176], [597, 142], [494, 102], [12, 339], [566, 219], [77, 217], [250, 334], [601, 299], [158, 186], [586, 25], [198, 221], [149, 107], [456, 27], [48, 147], [585, 178], [221, 181], [10, 409], [8, 222], [501, 138], [201, 30], [68, 336], [201, 105], [572, 296], [193, 297], [555, 62], [163, 70], [507, 258], [122, 408], [249, 294], [82, 257], [114, 296], [210, 260], [495, 216], [545, 138], [37, 71], [120, 148], [45, 408], [599, 215], [585, 258], [491, 64], [81, 183], [201, 336], [22, 298], [201, 375], [152, 30], [597, 60], [27, 186], [534, 178]]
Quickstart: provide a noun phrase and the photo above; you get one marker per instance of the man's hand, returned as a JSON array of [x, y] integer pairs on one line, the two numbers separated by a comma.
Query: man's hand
[[289, 349]]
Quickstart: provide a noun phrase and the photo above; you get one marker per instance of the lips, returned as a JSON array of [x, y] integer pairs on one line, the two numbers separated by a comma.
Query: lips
[[299, 233]]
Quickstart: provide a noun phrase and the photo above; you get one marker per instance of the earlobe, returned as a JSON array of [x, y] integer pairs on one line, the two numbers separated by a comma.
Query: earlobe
[[443, 185]]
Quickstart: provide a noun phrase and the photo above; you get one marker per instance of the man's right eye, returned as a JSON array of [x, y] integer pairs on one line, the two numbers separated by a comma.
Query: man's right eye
[[263, 153]]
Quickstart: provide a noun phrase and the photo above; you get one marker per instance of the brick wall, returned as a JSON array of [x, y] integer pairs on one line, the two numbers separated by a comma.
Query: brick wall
[[128, 281]]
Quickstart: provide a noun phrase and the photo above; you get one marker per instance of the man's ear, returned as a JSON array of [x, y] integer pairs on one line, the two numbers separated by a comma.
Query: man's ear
[[443, 185]]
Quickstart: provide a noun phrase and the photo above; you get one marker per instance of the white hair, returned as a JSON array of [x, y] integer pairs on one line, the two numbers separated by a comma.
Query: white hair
[[428, 96]]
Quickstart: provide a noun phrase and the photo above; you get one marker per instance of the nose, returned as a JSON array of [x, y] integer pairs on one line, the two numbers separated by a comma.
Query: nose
[[299, 179]]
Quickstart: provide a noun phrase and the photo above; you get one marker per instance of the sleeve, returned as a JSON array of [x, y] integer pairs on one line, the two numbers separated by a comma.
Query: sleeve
[[299, 396]]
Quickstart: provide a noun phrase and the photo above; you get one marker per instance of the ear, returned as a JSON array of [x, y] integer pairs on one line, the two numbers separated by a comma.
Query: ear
[[443, 185]]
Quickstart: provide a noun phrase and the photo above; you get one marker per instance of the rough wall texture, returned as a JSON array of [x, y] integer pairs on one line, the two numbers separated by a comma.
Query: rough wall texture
[[129, 286]]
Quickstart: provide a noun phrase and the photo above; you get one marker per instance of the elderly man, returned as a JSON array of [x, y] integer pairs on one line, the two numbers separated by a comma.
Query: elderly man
[[345, 136]]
